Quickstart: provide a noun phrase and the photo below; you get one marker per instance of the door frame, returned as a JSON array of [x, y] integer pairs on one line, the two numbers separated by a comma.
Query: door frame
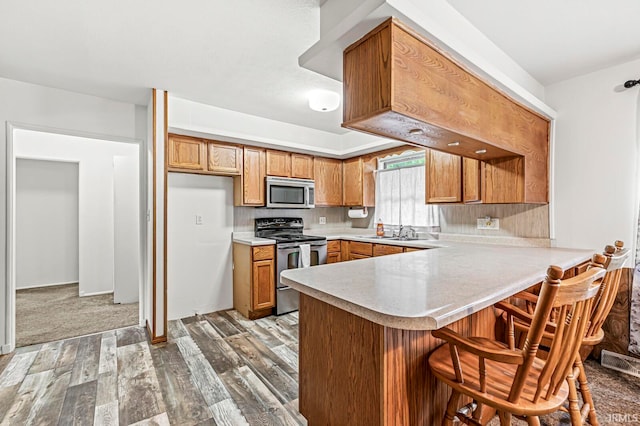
[[10, 279]]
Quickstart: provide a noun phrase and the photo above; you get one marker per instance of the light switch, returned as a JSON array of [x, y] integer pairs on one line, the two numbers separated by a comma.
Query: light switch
[[198, 219]]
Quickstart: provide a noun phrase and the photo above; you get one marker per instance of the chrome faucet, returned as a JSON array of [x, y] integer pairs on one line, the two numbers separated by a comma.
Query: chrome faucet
[[406, 232]]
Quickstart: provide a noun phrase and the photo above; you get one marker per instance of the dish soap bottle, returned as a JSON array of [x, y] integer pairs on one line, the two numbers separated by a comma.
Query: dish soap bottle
[[380, 228]]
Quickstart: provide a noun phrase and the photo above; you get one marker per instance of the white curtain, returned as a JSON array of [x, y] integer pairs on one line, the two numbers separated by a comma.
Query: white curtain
[[400, 198]]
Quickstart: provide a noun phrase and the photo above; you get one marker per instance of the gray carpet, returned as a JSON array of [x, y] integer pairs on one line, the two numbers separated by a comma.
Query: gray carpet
[[46, 314]]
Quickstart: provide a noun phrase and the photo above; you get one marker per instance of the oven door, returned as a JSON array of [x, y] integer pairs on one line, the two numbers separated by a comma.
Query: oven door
[[288, 257]]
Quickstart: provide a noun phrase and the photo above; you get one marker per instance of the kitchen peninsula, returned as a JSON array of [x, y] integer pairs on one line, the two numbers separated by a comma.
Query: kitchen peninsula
[[365, 326]]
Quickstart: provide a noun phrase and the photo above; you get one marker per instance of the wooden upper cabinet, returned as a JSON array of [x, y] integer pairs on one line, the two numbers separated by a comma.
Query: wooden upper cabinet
[[397, 85], [327, 173], [443, 177], [224, 159], [278, 163], [504, 181], [187, 153], [301, 166], [471, 180], [248, 188], [358, 187]]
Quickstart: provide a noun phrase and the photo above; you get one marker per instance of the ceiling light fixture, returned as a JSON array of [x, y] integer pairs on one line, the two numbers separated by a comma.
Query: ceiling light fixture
[[323, 100], [416, 132], [453, 144]]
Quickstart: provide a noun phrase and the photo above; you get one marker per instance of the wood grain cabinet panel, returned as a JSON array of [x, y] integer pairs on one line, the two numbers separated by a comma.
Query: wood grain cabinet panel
[[187, 153], [327, 173], [301, 166], [264, 290], [248, 188], [443, 177], [363, 249], [334, 257], [471, 180], [278, 163], [254, 280], [398, 85], [224, 159], [358, 187], [410, 249], [504, 181], [385, 249]]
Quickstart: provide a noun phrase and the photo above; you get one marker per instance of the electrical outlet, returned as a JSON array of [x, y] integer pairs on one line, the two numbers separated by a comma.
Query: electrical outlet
[[323, 220], [491, 223], [198, 219]]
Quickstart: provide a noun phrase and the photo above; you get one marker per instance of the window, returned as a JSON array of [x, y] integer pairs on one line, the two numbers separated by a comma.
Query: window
[[400, 192]]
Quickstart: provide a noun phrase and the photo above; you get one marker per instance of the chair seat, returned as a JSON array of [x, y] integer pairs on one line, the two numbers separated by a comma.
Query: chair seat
[[498, 383]]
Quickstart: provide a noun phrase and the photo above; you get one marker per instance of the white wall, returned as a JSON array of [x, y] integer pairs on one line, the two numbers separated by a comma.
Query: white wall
[[126, 229], [96, 219], [596, 157], [43, 106], [46, 223], [199, 274]]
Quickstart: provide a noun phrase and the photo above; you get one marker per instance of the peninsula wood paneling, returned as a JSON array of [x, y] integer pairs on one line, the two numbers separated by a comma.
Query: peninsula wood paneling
[[356, 372], [340, 383], [396, 82]]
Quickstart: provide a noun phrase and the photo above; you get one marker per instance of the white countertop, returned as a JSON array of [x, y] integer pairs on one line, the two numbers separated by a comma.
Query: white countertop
[[430, 289]]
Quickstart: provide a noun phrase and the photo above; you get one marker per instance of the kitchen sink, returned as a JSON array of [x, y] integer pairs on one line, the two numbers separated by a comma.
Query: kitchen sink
[[385, 237]]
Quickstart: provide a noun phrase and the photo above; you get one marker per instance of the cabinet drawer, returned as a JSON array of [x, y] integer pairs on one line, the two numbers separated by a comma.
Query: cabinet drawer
[[408, 249], [333, 246], [263, 252], [384, 249], [365, 249], [355, 256]]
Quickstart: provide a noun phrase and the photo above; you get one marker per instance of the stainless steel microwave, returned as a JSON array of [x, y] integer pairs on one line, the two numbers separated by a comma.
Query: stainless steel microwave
[[290, 193]]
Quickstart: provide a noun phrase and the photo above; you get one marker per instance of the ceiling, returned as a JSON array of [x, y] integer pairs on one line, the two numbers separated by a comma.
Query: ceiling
[[556, 40], [242, 55]]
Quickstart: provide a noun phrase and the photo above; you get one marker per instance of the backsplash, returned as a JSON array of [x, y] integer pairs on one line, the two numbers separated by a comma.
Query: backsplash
[[243, 217], [516, 220]]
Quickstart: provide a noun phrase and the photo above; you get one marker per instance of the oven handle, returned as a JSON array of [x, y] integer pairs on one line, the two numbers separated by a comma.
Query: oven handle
[[288, 246]]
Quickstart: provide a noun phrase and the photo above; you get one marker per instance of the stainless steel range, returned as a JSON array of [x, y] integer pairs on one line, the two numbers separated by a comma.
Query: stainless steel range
[[287, 231]]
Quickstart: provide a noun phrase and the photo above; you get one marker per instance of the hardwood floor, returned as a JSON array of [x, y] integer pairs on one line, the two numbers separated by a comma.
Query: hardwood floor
[[215, 369]]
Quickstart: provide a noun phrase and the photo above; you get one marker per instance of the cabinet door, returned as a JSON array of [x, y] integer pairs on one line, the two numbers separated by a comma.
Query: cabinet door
[[328, 176], [253, 176], [263, 285], [357, 247], [278, 163], [504, 180], [301, 166], [352, 182], [385, 249], [356, 256], [225, 159], [471, 180], [333, 257], [444, 177], [187, 153]]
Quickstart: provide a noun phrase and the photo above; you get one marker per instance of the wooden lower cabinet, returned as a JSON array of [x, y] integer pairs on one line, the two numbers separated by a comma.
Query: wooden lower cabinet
[[254, 280], [334, 252], [385, 249]]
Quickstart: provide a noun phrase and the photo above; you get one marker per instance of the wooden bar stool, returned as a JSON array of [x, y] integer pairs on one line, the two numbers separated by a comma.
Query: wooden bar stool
[[514, 381], [615, 258]]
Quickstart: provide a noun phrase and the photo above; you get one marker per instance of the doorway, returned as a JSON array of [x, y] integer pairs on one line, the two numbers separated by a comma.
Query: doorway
[[74, 227]]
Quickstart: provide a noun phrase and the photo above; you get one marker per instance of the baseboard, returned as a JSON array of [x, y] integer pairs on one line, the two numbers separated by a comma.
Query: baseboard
[[46, 285], [97, 293], [5, 349]]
